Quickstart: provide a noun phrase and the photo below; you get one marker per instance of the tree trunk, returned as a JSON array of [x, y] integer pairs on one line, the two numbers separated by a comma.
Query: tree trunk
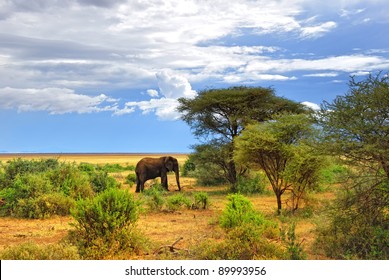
[[279, 203]]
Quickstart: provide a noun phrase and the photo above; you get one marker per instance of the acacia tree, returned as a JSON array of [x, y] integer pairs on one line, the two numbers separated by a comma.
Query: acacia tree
[[218, 116], [279, 148], [356, 128], [356, 125]]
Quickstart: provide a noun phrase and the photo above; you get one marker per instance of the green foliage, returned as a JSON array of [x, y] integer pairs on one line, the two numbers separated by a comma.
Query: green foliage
[[101, 181], [68, 179], [210, 162], [188, 168], [154, 198], [281, 148], [356, 129], [40, 189], [176, 201], [239, 211], [33, 251], [241, 243], [356, 126], [44, 206], [115, 167], [294, 248], [251, 185], [105, 223], [218, 116], [248, 234], [357, 226], [201, 200], [131, 179]]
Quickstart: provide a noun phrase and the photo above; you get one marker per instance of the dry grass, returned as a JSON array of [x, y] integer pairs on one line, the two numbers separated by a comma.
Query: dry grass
[[125, 159]]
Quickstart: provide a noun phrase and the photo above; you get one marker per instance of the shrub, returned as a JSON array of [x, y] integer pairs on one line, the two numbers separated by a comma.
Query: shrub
[[201, 200], [248, 185], [69, 180], [357, 226], [131, 179], [101, 181], [239, 210], [294, 249], [245, 242], [188, 168], [18, 167], [23, 188], [32, 251], [154, 197], [176, 201], [104, 225]]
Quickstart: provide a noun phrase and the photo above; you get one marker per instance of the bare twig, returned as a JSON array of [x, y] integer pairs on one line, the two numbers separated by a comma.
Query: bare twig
[[171, 247]]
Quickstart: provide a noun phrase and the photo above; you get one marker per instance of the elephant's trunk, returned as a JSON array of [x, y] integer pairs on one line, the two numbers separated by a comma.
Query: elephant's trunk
[[177, 177]]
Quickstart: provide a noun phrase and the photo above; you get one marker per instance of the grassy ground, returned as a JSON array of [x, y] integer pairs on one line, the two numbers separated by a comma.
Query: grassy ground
[[164, 227]]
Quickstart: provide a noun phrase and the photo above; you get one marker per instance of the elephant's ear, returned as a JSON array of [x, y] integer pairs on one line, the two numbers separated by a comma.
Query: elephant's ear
[[169, 163]]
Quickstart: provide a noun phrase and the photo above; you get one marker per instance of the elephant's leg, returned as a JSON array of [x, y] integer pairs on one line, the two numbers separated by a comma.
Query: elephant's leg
[[164, 181], [137, 185]]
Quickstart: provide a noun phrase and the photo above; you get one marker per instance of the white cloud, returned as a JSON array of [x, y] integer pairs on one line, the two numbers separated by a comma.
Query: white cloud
[[318, 30], [172, 87], [164, 108], [311, 105], [152, 92], [53, 100], [345, 63], [322, 75]]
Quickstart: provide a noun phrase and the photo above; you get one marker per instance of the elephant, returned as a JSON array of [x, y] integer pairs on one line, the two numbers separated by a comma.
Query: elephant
[[150, 168]]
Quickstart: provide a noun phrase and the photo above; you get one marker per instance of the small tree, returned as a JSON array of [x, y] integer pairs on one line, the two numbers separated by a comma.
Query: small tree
[[356, 128], [356, 125], [278, 148]]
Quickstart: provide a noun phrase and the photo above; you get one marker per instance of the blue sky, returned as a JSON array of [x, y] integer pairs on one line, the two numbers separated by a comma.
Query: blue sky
[[105, 76]]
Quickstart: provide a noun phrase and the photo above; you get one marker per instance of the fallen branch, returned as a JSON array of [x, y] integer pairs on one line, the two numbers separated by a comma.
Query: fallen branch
[[171, 247]]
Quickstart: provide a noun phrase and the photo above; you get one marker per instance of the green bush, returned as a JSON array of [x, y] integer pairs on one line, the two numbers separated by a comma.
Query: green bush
[[104, 225], [201, 200], [188, 168], [23, 188], [251, 185], [18, 167], [294, 249], [101, 181], [154, 198], [69, 180], [32, 251], [245, 242], [176, 201], [239, 210], [357, 224], [115, 167], [131, 179]]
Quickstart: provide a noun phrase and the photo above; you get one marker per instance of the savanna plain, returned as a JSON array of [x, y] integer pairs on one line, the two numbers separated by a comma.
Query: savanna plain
[[171, 233]]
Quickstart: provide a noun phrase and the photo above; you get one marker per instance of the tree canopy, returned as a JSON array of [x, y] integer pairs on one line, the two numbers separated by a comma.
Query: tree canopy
[[356, 125], [278, 148], [223, 113], [218, 116]]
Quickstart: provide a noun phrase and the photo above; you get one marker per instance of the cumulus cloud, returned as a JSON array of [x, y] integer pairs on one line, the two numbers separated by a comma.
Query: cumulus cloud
[[311, 105], [53, 100], [172, 87]]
